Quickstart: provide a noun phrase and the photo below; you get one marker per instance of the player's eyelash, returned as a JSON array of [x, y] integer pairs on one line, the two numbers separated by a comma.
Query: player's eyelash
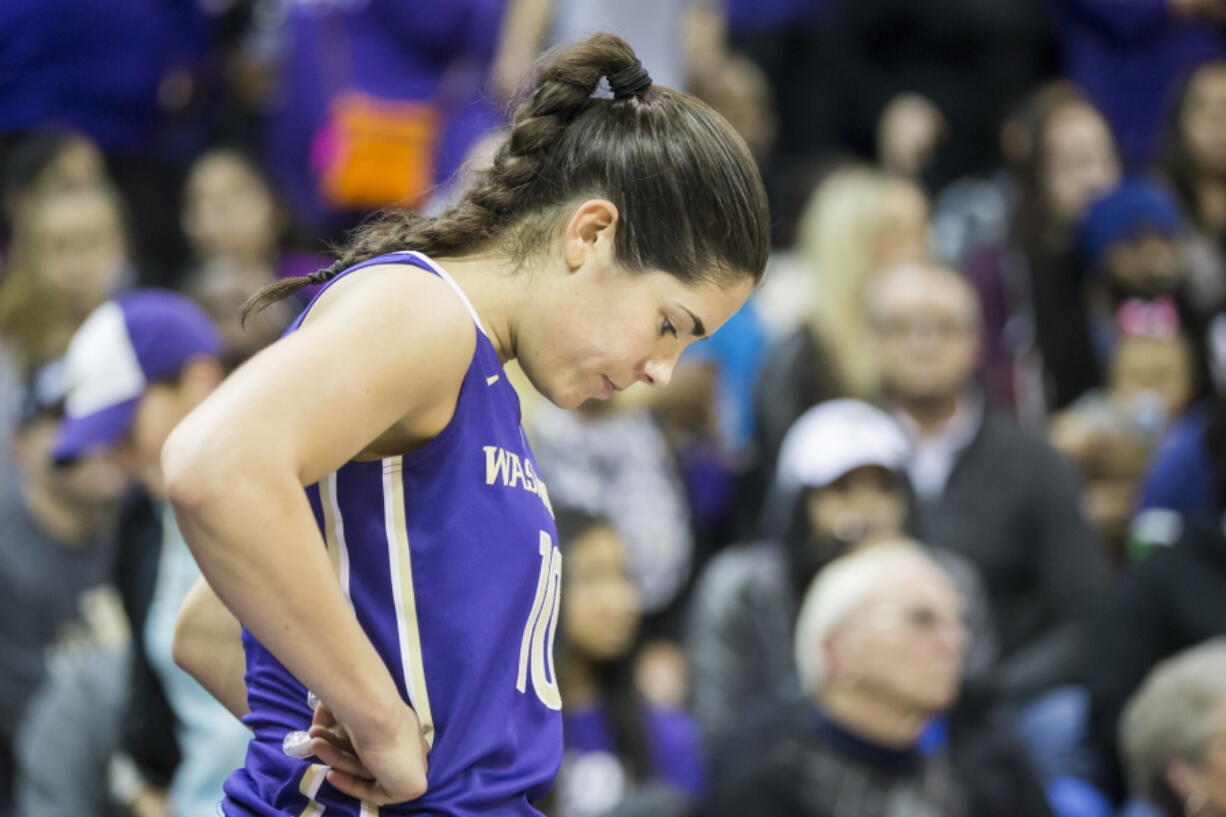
[[668, 328]]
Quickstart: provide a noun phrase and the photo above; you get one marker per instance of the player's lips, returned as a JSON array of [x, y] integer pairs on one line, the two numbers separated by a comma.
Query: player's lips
[[609, 388]]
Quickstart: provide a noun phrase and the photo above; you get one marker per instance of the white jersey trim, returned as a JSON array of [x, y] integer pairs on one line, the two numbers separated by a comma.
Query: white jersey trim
[[312, 779], [400, 567], [451, 282]]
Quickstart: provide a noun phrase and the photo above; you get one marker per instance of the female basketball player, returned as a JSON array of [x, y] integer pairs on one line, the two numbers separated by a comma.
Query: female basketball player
[[413, 586]]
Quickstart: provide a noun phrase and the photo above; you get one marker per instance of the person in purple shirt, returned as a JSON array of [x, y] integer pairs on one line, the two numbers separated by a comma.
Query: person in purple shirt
[[622, 755], [373, 91], [361, 495], [1128, 57]]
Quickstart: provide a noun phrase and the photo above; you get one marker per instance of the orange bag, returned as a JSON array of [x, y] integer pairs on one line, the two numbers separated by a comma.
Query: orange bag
[[376, 153]]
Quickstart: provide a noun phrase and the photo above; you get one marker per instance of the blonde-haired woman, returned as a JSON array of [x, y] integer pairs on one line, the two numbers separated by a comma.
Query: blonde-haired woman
[[859, 221]]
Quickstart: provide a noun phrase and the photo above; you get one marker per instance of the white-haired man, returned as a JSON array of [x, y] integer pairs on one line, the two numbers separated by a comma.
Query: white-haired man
[[880, 645], [841, 470]]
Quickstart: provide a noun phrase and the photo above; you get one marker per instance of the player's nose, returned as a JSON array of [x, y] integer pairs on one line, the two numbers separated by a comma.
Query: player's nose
[[657, 372]]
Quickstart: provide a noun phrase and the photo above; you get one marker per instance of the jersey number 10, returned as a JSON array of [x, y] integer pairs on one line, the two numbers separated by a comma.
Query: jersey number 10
[[536, 649]]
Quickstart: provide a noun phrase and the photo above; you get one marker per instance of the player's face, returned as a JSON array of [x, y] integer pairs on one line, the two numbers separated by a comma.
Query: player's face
[[601, 604], [601, 330]]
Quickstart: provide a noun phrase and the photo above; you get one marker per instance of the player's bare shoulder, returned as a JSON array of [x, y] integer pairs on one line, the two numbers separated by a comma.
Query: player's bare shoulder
[[417, 317]]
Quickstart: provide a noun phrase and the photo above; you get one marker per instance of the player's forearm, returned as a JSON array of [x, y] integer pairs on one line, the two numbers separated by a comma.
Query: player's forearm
[[251, 530], [208, 646]]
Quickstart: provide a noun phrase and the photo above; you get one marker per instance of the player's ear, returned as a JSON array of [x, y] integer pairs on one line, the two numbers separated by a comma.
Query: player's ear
[[589, 232]]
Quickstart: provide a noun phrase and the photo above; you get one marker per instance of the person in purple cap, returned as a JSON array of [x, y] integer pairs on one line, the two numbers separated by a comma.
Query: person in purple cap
[[136, 367], [361, 494], [1129, 237]]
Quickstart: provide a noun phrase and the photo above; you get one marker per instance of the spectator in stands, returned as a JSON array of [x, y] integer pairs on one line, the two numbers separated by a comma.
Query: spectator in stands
[[1130, 57], [1194, 163], [235, 228], [377, 103], [46, 159], [137, 366], [880, 643], [1129, 239], [844, 489], [1187, 475], [858, 221], [56, 552], [1037, 356], [1173, 599], [611, 459], [69, 254], [623, 756], [127, 75], [1111, 433], [1174, 733], [926, 84], [984, 488]]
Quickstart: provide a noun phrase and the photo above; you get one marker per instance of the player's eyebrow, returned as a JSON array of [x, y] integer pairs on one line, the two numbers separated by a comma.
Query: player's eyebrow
[[699, 329]]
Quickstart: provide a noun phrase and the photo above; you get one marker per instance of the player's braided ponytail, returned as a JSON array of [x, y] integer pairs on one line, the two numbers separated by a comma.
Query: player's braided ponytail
[[690, 198]]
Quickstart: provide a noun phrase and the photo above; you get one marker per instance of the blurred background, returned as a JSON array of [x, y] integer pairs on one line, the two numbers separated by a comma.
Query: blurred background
[[933, 526]]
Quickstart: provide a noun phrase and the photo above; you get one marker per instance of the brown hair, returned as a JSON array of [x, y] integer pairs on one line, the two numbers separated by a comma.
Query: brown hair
[[1175, 159], [690, 198]]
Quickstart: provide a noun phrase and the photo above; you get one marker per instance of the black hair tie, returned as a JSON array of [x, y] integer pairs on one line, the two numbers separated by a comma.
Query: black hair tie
[[630, 81]]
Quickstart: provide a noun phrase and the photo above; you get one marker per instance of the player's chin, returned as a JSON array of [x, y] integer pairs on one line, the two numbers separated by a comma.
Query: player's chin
[[568, 398]]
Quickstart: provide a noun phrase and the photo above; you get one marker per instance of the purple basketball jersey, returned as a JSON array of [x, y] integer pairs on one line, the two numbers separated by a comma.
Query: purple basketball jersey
[[450, 559]]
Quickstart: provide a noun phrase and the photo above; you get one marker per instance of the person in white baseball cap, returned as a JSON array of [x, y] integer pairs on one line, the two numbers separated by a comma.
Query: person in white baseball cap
[[844, 461], [842, 472]]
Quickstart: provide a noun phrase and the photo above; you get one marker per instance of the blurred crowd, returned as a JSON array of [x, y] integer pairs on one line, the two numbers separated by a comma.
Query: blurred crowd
[[935, 525]]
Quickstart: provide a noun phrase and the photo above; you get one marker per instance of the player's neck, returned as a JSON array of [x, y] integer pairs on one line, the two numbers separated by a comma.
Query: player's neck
[[495, 288]]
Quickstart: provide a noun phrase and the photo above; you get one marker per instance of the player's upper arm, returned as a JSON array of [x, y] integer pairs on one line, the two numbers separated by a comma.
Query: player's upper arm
[[386, 345]]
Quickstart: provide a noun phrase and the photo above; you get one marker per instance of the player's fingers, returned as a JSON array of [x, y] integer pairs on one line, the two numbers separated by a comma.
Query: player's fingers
[[323, 717], [334, 736], [367, 790], [330, 755]]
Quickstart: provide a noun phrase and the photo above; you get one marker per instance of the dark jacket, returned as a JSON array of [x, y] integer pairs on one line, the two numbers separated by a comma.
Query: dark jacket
[[1174, 599], [819, 769], [149, 722], [1011, 506]]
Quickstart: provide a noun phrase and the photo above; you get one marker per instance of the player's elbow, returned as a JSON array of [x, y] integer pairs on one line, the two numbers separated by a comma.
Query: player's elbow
[[195, 473], [184, 473]]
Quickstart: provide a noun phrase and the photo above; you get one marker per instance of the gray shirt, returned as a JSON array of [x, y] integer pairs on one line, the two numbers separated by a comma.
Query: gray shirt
[[43, 583]]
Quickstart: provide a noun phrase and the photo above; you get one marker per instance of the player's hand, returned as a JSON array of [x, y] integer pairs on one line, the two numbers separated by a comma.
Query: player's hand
[[329, 742], [389, 767]]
